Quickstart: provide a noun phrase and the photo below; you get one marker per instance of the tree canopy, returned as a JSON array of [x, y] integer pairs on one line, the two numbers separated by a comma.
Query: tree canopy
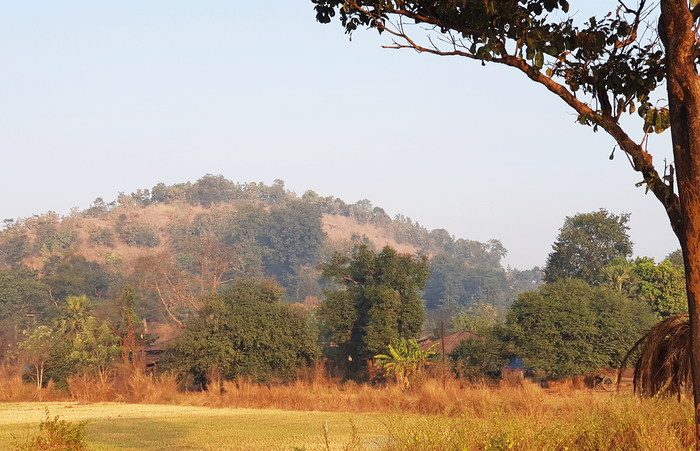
[[569, 327], [244, 330], [378, 300], [586, 243]]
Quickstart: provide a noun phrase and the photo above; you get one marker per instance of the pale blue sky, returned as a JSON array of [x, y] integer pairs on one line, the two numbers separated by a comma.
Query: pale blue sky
[[101, 97]]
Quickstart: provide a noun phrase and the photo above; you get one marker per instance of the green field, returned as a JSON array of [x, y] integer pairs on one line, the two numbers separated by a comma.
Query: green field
[[115, 426]]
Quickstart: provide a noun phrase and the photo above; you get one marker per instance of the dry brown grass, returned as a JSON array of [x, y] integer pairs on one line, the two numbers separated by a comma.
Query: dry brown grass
[[14, 389], [313, 390], [433, 414], [341, 228]]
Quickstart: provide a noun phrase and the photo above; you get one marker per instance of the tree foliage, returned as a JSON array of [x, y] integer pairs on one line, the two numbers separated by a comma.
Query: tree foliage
[[244, 330], [295, 236], [453, 281], [586, 243], [569, 327], [379, 300], [662, 286]]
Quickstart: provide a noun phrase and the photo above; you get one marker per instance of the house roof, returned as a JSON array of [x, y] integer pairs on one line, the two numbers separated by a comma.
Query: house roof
[[452, 341]]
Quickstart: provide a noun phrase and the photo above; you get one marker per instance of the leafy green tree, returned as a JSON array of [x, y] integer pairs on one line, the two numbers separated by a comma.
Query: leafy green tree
[[478, 358], [676, 258], [35, 350], [586, 243], [244, 330], [23, 300], [101, 236], [445, 283], [662, 286], [405, 359], [378, 300], [128, 321], [74, 316], [137, 233], [211, 189], [569, 327], [620, 276], [295, 237], [14, 243], [94, 349], [50, 238], [480, 255], [478, 319], [453, 281], [74, 275]]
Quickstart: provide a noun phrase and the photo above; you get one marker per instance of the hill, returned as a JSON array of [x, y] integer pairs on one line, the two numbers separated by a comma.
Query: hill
[[175, 244]]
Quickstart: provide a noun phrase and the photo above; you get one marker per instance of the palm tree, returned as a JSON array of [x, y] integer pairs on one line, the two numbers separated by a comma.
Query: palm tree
[[621, 278], [76, 312]]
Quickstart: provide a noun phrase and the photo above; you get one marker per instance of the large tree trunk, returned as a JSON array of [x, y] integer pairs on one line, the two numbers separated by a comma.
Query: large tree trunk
[[683, 83]]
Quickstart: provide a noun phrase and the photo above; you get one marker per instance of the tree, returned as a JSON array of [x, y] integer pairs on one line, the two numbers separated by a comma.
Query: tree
[[378, 301], [569, 327], [295, 236], [454, 282], [23, 299], [478, 319], [244, 330], [74, 275], [586, 243], [662, 286], [36, 349], [126, 304], [74, 316], [610, 65], [198, 262]]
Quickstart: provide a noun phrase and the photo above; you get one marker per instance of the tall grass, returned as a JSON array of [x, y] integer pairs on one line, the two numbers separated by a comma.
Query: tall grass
[[434, 414]]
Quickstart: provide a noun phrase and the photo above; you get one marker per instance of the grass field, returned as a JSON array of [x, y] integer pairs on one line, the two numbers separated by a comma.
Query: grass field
[[118, 426], [561, 422], [433, 414]]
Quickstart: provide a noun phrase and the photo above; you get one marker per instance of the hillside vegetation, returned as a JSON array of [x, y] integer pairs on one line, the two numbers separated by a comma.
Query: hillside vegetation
[[175, 243]]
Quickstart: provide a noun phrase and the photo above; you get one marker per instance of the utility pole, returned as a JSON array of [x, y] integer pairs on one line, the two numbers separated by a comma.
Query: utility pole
[[442, 340]]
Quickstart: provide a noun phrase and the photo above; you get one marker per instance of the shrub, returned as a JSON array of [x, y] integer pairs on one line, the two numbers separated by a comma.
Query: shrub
[[56, 435], [100, 236], [139, 235]]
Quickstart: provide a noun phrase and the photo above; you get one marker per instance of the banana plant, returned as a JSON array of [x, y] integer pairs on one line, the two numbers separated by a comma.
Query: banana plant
[[404, 360]]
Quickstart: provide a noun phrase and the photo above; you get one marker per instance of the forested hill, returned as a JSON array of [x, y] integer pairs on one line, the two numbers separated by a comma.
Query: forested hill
[[175, 243]]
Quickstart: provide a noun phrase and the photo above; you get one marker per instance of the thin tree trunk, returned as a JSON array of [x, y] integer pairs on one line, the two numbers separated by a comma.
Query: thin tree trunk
[[40, 379]]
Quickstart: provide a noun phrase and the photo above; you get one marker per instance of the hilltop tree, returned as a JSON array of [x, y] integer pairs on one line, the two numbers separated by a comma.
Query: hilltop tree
[[586, 243], [610, 65], [378, 300], [295, 236]]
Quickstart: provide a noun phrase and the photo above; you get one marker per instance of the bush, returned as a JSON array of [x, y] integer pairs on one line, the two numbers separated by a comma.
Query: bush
[[139, 235], [100, 236], [56, 435]]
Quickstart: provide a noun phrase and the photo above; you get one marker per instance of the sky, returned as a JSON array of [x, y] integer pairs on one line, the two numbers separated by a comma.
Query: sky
[[102, 97]]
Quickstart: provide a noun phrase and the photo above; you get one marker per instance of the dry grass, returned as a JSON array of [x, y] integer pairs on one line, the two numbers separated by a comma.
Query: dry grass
[[433, 414], [341, 228]]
